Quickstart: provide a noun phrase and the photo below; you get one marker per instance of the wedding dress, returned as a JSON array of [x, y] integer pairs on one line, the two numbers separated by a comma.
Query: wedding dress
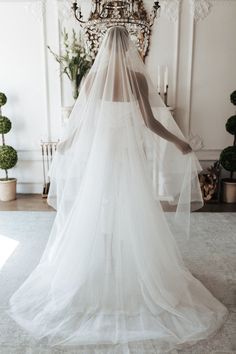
[[111, 278]]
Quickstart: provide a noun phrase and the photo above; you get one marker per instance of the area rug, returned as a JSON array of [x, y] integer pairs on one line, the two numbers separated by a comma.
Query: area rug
[[210, 255]]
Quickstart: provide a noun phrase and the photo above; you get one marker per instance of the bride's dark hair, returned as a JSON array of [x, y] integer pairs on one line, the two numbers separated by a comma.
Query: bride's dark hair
[[113, 33]]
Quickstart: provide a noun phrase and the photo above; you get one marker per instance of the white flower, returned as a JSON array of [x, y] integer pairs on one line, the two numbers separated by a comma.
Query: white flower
[[82, 55]]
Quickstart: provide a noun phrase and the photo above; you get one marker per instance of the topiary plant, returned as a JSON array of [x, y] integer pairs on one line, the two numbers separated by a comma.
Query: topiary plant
[[3, 99], [233, 97], [8, 155], [228, 155]]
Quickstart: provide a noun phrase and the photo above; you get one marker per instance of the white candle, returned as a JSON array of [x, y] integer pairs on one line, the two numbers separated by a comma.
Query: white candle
[[166, 78], [158, 78]]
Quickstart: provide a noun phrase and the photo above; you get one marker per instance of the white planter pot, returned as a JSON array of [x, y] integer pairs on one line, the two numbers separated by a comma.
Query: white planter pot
[[228, 190], [7, 189]]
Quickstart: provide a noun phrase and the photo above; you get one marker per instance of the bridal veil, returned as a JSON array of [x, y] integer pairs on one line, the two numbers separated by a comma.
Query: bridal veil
[[111, 279], [110, 91]]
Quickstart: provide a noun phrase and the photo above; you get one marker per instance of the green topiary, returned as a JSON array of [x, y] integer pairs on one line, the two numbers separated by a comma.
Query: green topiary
[[233, 97], [228, 158], [228, 155], [8, 157], [5, 125], [3, 99]]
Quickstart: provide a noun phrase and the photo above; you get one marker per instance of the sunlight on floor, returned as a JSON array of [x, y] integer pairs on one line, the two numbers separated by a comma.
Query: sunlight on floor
[[7, 247]]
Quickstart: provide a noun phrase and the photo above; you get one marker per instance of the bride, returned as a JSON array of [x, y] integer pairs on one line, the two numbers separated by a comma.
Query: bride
[[111, 278]]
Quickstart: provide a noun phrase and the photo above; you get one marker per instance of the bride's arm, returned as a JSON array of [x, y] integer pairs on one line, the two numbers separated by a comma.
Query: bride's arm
[[151, 121]]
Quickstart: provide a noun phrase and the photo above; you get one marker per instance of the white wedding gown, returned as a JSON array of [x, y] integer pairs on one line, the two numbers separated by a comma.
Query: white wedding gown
[[111, 279]]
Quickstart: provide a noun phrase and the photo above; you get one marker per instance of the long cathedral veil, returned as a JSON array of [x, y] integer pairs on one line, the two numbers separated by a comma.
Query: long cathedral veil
[[110, 91], [111, 279]]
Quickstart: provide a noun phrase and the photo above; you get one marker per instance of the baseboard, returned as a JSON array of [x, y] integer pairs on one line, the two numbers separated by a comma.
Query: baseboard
[[29, 188]]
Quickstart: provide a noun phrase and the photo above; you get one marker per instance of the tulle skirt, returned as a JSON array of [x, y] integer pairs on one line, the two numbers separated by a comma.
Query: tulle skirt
[[111, 279]]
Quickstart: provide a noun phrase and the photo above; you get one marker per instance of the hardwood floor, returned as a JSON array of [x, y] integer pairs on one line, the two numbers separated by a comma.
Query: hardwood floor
[[24, 202], [35, 202]]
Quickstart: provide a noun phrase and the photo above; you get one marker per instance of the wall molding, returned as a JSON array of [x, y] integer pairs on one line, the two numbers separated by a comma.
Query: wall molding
[[170, 9], [37, 8], [200, 9], [190, 77], [29, 187], [208, 154], [46, 72], [29, 155], [64, 10]]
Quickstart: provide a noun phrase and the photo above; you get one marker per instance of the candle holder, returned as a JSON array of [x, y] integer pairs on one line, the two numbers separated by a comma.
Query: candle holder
[[166, 95], [165, 99]]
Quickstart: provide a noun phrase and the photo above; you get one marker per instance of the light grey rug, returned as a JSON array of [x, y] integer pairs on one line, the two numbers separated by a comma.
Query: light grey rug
[[210, 255]]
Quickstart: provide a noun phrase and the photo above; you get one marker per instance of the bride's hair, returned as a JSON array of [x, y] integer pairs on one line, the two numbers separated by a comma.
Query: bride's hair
[[118, 28], [114, 34]]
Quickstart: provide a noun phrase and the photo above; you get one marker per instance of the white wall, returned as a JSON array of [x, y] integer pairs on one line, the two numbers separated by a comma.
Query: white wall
[[195, 38], [33, 91]]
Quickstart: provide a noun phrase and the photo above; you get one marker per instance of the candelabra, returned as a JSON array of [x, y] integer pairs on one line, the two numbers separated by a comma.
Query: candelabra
[[166, 86], [166, 95], [48, 149], [107, 13]]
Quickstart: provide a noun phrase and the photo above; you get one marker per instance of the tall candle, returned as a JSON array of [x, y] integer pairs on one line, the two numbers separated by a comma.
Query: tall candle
[[166, 79], [158, 78]]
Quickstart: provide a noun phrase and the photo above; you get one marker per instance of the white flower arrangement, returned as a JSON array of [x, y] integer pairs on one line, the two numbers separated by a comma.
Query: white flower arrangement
[[75, 61]]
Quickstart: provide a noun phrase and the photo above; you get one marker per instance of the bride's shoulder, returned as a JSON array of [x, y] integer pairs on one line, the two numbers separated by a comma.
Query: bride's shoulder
[[138, 75], [140, 80]]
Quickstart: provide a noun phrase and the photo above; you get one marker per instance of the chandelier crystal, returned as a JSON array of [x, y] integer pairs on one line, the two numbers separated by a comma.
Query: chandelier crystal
[[107, 13]]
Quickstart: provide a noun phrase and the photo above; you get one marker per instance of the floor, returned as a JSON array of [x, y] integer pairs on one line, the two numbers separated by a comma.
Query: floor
[[35, 202], [210, 255]]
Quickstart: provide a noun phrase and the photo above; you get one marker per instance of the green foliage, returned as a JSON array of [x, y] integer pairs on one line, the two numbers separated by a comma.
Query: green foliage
[[5, 125], [228, 155], [233, 97], [75, 62], [228, 158], [3, 99], [8, 157], [230, 125]]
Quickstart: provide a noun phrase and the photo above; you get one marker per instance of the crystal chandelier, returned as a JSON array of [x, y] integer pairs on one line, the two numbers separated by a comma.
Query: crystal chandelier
[[107, 13]]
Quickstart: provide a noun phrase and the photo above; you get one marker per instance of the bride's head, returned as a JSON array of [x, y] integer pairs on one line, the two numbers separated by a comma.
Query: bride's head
[[118, 30], [117, 38]]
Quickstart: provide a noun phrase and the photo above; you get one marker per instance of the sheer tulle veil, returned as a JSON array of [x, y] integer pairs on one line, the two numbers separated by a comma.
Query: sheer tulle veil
[[111, 273], [116, 73]]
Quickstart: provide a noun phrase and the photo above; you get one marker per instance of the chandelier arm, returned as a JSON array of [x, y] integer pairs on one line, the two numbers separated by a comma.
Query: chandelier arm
[[76, 9], [99, 11], [153, 13], [108, 13]]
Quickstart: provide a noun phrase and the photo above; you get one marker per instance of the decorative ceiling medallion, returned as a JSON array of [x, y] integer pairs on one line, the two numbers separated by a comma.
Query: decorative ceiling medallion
[[36, 8], [201, 9], [64, 10], [170, 9]]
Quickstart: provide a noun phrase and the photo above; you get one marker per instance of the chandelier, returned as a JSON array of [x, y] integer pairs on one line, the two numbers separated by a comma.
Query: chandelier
[[107, 13]]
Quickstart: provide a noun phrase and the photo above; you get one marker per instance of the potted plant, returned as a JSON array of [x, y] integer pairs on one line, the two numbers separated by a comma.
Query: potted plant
[[8, 157], [228, 160], [75, 62]]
